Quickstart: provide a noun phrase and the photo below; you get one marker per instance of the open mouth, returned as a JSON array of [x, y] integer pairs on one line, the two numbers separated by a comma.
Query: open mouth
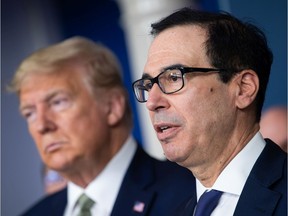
[[162, 129]]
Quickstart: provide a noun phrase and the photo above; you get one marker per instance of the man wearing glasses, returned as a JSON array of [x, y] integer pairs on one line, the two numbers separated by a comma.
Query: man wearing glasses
[[204, 85]]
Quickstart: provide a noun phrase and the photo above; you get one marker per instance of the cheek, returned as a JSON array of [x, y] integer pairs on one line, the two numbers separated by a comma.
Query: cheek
[[37, 138], [151, 114], [202, 106], [81, 117], [86, 126]]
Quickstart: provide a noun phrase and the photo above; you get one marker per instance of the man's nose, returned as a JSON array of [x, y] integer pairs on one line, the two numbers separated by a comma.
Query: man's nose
[[44, 121], [156, 99]]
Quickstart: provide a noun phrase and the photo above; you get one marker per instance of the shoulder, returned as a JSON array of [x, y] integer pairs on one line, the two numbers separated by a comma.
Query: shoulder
[[172, 184], [268, 182], [273, 157], [167, 174], [272, 160], [173, 171], [53, 204], [162, 169]]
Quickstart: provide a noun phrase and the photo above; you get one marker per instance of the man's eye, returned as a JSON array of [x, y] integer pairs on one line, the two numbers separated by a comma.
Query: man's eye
[[173, 77], [60, 104], [29, 115], [148, 86], [141, 87]]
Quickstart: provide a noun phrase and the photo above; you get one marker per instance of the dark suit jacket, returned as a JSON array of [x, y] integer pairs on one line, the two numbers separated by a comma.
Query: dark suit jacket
[[161, 186], [265, 191]]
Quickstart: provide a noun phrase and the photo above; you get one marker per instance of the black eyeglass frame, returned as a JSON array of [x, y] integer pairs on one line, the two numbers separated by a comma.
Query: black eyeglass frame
[[183, 71]]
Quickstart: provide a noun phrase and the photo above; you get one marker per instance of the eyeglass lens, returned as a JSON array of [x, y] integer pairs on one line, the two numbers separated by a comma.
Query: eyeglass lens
[[168, 81]]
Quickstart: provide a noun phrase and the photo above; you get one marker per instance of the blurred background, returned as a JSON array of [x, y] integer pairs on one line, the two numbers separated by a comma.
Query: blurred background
[[123, 26]]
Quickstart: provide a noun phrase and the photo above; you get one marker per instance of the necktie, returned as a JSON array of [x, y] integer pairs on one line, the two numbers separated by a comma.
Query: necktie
[[207, 203], [85, 204]]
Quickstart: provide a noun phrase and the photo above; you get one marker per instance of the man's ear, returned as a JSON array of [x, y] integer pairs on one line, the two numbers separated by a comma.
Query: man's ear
[[247, 83], [117, 106]]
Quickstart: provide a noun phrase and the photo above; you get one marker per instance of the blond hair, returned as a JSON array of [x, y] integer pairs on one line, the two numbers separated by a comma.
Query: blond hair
[[103, 68]]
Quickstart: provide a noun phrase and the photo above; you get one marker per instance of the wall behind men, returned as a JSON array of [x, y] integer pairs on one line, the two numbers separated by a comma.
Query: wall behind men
[[29, 25], [25, 26], [271, 16]]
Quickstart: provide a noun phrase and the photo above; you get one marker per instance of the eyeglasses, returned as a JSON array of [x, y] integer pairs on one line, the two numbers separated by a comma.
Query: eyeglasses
[[169, 81]]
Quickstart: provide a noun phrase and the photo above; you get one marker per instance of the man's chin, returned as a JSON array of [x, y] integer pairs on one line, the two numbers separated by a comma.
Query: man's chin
[[171, 156], [58, 164], [174, 157]]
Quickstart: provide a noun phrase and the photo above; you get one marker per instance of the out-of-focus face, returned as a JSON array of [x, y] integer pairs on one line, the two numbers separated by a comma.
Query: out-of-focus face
[[195, 123], [67, 123], [273, 125]]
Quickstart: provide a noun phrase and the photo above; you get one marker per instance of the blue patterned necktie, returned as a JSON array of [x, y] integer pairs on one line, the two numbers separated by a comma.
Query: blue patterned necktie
[[207, 203], [85, 204]]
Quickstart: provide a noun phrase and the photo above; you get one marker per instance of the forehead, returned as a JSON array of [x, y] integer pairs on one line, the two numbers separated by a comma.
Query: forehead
[[183, 45], [38, 85]]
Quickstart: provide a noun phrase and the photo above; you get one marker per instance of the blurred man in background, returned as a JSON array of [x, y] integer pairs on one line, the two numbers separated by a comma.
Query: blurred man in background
[[273, 125], [77, 111]]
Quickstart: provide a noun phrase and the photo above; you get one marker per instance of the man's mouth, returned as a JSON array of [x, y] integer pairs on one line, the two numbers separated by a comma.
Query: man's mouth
[[166, 131], [54, 146], [161, 129], [166, 125]]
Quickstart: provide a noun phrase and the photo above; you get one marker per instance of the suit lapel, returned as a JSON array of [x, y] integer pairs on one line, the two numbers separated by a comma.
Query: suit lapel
[[267, 170], [262, 204], [59, 203], [189, 207], [134, 198], [133, 203]]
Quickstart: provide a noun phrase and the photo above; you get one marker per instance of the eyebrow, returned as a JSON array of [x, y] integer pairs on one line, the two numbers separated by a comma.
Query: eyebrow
[[46, 98], [147, 76]]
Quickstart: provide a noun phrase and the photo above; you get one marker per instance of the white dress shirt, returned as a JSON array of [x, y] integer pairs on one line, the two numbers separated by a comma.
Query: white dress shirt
[[103, 190], [233, 178]]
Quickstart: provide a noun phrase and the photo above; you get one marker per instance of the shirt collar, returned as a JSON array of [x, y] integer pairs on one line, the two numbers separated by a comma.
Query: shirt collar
[[104, 188], [232, 179]]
